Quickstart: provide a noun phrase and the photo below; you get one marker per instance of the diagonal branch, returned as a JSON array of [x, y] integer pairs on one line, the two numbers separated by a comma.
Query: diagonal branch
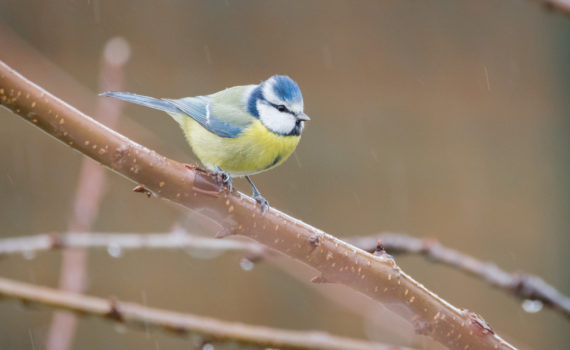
[[208, 330], [376, 276], [520, 284]]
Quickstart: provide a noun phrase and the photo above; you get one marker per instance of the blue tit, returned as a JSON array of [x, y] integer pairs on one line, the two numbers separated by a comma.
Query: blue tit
[[239, 131]]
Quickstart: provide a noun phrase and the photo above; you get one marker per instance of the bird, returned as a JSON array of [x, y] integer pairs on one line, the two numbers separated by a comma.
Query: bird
[[239, 131]]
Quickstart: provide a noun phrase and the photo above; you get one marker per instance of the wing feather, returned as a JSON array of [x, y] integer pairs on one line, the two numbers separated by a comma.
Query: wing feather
[[222, 113], [146, 101], [200, 109]]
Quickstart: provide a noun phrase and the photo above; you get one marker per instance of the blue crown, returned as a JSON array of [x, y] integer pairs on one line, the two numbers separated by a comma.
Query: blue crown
[[286, 89]]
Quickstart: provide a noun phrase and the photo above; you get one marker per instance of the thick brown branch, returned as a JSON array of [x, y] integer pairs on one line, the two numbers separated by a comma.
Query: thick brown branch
[[208, 329], [520, 284], [374, 275]]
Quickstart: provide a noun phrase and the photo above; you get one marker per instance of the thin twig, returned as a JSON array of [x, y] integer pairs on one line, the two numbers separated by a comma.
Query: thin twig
[[519, 284], [126, 241], [377, 276], [208, 330]]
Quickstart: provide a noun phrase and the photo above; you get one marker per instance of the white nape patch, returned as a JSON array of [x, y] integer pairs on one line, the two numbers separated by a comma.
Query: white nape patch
[[269, 93], [278, 122], [247, 94]]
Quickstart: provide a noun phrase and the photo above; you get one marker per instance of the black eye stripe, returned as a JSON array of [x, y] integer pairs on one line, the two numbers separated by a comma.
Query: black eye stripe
[[281, 108]]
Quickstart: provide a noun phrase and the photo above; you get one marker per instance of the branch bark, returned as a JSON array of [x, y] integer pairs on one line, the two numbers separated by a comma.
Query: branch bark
[[377, 276], [519, 284], [208, 330]]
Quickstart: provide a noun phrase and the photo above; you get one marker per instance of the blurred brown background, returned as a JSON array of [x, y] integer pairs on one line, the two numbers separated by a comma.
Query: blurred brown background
[[447, 119]]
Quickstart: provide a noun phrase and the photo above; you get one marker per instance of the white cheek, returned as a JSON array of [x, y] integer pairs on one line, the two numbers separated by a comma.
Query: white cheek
[[281, 123]]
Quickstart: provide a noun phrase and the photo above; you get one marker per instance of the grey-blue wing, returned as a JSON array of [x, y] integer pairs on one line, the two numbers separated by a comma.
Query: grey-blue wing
[[200, 109], [146, 101]]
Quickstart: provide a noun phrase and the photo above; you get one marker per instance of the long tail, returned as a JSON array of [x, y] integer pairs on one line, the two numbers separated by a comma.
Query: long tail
[[146, 101]]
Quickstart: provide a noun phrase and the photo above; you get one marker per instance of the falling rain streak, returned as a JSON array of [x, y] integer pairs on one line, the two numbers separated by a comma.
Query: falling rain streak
[[487, 78]]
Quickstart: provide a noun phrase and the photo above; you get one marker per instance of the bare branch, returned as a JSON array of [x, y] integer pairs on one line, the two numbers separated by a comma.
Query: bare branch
[[519, 284], [208, 330], [125, 241], [377, 276]]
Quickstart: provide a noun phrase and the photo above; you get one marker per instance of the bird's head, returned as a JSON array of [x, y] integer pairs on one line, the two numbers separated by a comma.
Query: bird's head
[[278, 103]]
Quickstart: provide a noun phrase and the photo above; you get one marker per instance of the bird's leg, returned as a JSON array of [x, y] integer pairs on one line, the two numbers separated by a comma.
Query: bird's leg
[[226, 178], [257, 196]]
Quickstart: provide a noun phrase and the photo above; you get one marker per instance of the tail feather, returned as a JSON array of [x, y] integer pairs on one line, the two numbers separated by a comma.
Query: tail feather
[[146, 101]]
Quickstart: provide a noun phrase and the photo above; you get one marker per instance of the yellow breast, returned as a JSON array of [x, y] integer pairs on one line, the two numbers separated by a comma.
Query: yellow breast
[[257, 149]]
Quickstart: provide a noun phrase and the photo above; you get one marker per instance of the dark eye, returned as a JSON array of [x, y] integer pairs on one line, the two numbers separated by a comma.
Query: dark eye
[[281, 108]]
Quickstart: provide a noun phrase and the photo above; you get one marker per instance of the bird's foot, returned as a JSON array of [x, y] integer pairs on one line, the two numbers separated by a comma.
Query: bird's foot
[[262, 202], [225, 178], [258, 197]]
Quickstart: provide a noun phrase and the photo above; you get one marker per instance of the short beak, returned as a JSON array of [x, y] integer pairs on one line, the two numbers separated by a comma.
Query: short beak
[[303, 116]]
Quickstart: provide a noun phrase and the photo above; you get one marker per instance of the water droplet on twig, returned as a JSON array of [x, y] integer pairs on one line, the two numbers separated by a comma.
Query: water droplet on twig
[[115, 250], [532, 306], [246, 264]]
